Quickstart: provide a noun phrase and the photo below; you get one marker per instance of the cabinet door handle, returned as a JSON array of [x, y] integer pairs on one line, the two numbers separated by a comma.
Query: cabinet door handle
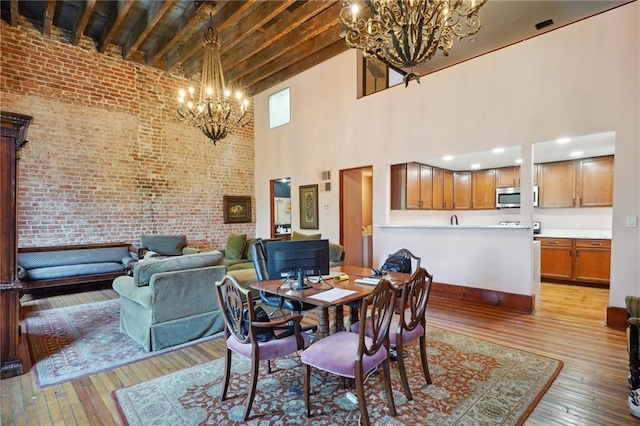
[[596, 244], [553, 242]]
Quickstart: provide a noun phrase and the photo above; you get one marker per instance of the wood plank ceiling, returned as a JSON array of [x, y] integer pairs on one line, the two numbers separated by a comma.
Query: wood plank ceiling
[[263, 42]]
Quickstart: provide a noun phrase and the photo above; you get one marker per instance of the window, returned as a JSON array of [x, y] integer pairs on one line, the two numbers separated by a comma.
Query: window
[[279, 108], [379, 76]]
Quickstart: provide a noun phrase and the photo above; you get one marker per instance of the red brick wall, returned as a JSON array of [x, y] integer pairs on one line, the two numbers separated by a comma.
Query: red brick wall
[[107, 160]]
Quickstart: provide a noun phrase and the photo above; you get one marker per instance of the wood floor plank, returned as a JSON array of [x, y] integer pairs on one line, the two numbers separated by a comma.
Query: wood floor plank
[[568, 325]]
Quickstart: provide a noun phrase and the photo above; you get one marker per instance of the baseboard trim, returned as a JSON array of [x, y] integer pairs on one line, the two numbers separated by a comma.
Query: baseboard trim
[[616, 318], [511, 301]]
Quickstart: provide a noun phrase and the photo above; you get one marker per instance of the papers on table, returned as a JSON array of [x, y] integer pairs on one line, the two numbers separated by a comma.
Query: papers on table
[[366, 280], [333, 294]]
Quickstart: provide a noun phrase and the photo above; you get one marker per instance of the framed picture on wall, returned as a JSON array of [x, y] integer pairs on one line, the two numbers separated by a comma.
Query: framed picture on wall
[[309, 206], [236, 209]]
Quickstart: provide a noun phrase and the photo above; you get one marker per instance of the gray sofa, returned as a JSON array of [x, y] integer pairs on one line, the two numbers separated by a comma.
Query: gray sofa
[[40, 267], [172, 300]]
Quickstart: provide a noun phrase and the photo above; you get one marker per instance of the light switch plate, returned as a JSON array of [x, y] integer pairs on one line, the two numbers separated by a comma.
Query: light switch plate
[[632, 221]]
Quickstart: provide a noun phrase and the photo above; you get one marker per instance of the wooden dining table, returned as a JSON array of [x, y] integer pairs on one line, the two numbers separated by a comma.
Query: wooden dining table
[[321, 295]]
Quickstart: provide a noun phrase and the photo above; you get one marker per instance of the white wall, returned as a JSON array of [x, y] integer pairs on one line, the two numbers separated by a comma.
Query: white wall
[[577, 80]]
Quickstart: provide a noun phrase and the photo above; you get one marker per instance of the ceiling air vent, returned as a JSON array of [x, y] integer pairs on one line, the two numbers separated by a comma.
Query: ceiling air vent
[[544, 24]]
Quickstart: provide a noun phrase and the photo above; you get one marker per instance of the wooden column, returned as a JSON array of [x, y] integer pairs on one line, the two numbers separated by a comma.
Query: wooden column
[[13, 134]]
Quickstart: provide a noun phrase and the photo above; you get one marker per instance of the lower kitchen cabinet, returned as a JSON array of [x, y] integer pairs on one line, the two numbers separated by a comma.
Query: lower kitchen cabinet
[[578, 260]]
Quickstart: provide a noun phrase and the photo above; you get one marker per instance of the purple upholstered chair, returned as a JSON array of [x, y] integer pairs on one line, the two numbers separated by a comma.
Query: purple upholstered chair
[[409, 323], [353, 355], [235, 305]]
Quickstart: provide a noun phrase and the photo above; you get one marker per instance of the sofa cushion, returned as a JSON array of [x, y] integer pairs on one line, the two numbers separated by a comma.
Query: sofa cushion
[[143, 270], [235, 246], [247, 248], [300, 236], [240, 265], [45, 259], [164, 245], [64, 271]]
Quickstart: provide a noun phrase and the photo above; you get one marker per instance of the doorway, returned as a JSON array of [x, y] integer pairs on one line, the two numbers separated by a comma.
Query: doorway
[[281, 208], [356, 215]]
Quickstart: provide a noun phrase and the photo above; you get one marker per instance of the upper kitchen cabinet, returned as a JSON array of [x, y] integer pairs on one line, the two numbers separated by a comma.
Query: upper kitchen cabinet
[[462, 191], [411, 186], [442, 189], [507, 176], [557, 183], [595, 182], [483, 183], [576, 171], [584, 183]]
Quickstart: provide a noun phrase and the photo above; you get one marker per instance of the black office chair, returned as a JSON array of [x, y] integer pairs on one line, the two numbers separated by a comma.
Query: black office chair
[[259, 255]]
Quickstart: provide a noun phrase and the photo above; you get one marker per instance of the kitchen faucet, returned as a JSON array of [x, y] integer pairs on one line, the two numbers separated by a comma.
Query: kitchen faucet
[[454, 217]]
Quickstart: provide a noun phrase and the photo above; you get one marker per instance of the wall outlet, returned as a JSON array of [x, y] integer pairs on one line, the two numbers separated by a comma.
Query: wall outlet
[[632, 221]]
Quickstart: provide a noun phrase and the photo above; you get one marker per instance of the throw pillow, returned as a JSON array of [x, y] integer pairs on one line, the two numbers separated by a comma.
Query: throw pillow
[[300, 236], [247, 248], [235, 246]]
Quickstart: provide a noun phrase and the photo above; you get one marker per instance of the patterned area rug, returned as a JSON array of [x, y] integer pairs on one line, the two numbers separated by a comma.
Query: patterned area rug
[[69, 343], [474, 383]]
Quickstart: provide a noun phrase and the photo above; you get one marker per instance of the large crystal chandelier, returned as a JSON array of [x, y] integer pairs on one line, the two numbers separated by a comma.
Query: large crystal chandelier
[[407, 33], [216, 112]]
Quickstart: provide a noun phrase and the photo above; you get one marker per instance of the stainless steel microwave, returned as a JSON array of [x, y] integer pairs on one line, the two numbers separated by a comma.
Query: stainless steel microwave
[[507, 198]]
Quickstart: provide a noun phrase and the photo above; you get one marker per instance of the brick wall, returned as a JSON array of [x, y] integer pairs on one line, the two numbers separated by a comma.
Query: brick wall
[[107, 160]]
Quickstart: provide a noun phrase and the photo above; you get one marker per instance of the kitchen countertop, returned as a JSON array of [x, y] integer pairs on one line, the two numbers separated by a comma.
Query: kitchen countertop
[[436, 226], [599, 234]]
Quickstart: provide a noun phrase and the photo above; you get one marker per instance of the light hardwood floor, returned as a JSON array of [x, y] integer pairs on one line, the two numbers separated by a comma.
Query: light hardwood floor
[[569, 325]]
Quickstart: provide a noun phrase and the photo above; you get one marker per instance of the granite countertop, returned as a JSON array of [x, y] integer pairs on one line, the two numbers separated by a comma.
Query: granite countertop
[[599, 234], [440, 226]]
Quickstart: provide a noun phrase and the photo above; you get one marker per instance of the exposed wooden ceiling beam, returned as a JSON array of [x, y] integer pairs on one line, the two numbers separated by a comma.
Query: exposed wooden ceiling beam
[[189, 18], [310, 61], [294, 41], [47, 19], [314, 51], [145, 25], [114, 21], [14, 14], [86, 8], [225, 16], [274, 33]]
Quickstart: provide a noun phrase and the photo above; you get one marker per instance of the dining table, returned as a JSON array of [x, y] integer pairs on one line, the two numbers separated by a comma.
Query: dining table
[[327, 292]]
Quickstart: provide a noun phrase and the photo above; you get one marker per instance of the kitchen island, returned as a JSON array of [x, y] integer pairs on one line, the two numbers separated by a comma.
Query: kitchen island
[[481, 263]]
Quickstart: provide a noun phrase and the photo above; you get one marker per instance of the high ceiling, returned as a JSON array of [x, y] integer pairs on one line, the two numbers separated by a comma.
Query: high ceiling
[[263, 42]]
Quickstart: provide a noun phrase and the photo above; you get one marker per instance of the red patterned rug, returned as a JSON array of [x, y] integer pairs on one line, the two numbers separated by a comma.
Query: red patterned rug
[[474, 383], [77, 341]]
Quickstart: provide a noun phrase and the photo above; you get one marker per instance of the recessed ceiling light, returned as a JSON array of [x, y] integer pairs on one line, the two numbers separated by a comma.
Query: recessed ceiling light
[[475, 166], [575, 153], [447, 157], [498, 150], [519, 161], [563, 140]]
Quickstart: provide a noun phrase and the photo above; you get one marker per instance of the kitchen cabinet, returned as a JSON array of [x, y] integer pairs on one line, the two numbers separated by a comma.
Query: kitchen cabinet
[[483, 184], [442, 198], [507, 176], [557, 183], [577, 260], [580, 183], [462, 191], [595, 182], [411, 186]]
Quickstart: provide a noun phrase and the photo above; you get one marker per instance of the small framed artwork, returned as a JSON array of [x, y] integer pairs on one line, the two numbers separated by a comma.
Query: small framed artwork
[[309, 206], [236, 209]]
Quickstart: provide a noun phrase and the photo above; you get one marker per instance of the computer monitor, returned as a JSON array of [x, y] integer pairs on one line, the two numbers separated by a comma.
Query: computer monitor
[[297, 259]]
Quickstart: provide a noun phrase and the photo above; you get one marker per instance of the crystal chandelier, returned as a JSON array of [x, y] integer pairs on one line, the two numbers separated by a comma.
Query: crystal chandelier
[[407, 33], [216, 113]]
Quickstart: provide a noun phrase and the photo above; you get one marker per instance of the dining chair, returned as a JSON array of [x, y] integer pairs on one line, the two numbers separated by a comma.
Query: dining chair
[[241, 332], [353, 355], [408, 323]]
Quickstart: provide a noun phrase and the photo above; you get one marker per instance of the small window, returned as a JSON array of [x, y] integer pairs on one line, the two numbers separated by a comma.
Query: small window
[[279, 108], [378, 76]]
